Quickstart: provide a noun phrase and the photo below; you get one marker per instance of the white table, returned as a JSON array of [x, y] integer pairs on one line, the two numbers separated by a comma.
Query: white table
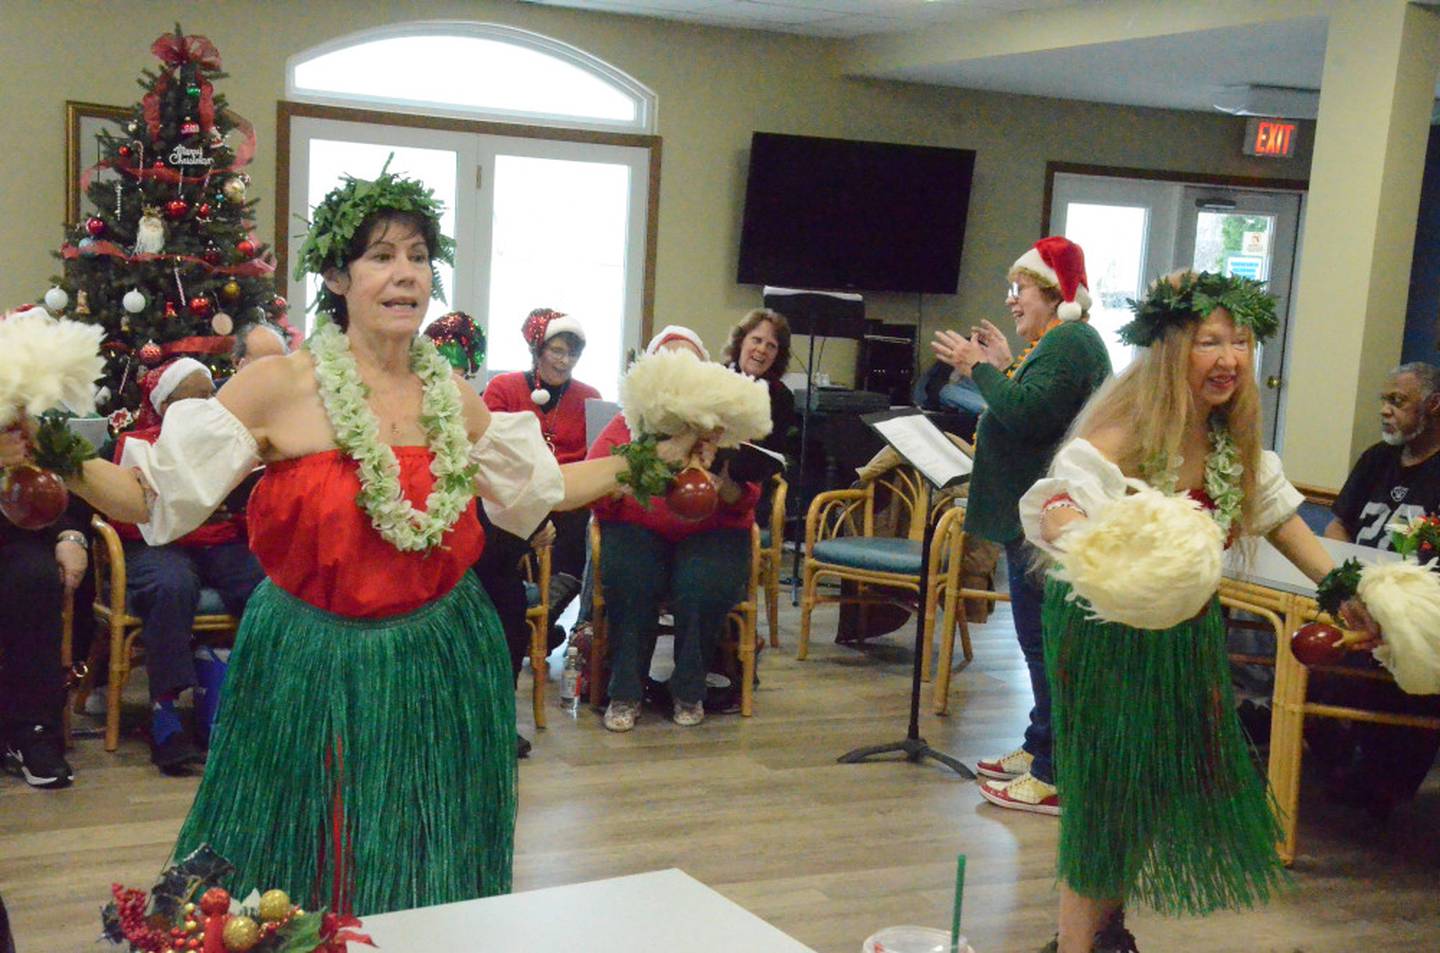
[[657, 912], [1271, 570]]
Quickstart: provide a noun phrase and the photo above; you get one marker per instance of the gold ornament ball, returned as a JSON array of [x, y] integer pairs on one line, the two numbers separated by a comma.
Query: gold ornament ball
[[234, 190], [230, 289], [241, 933], [274, 905]]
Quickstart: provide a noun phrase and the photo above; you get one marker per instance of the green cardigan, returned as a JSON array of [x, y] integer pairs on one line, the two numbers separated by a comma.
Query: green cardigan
[[1027, 416]]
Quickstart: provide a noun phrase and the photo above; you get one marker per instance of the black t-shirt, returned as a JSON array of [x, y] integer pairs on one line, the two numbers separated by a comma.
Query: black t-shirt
[[1379, 491]]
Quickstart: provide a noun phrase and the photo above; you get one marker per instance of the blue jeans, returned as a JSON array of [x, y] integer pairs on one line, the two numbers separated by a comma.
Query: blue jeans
[[1027, 595], [963, 396]]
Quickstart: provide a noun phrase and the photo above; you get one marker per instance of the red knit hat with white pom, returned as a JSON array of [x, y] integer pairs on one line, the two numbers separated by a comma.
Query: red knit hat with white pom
[[1060, 263]]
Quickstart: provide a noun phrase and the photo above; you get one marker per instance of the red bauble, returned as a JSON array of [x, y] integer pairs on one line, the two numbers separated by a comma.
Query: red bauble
[[245, 248], [32, 498], [693, 495], [211, 255], [150, 354], [95, 227], [123, 152], [204, 210], [199, 306], [215, 901], [279, 305], [158, 164], [1318, 643], [176, 209]]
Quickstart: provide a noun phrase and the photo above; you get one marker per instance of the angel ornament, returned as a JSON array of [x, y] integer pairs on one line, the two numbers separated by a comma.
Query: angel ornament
[[150, 233]]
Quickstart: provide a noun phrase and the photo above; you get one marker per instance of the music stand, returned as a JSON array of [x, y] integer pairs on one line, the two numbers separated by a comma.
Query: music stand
[[815, 314], [942, 464]]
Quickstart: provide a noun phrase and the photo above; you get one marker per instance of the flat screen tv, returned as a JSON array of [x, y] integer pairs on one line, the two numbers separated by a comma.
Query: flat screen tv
[[840, 214]]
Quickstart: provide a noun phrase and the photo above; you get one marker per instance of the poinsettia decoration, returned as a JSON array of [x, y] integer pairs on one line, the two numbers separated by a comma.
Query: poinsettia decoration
[[1417, 538], [188, 911]]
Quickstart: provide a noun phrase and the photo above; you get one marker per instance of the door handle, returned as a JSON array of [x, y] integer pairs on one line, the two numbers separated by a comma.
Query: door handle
[[1273, 381]]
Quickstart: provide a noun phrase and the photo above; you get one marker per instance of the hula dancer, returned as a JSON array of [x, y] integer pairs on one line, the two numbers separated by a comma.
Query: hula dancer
[[364, 753], [1162, 802]]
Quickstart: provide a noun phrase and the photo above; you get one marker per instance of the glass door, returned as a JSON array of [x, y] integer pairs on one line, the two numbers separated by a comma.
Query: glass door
[[1250, 233]]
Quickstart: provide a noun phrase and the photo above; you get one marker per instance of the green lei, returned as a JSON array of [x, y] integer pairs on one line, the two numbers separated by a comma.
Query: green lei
[[1222, 476], [1191, 298], [357, 432]]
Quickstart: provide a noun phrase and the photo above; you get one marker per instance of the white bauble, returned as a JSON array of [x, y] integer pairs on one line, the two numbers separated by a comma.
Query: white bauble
[[134, 301], [56, 299]]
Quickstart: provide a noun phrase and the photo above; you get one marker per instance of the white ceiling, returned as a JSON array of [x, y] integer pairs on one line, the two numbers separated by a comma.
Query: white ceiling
[[1180, 71]]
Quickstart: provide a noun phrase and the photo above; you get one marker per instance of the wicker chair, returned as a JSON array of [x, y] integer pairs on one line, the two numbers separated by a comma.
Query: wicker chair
[[114, 619], [772, 541], [841, 544], [741, 624], [537, 617]]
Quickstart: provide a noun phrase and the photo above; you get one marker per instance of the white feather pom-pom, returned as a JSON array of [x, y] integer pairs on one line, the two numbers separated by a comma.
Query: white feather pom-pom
[[1148, 560], [45, 363], [669, 392], [1404, 598]]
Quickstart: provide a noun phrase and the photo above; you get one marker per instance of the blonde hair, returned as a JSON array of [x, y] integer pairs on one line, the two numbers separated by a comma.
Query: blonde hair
[[1152, 405]]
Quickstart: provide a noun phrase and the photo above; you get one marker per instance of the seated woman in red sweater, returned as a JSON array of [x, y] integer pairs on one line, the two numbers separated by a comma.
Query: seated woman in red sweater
[[650, 554]]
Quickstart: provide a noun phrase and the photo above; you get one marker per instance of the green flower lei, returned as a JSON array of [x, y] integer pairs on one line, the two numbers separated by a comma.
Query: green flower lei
[[358, 434], [1168, 305], [57, 448], [334, 221], [1222, 476]]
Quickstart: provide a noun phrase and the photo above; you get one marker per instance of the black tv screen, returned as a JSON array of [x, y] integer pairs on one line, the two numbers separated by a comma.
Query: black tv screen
[[833, 214]]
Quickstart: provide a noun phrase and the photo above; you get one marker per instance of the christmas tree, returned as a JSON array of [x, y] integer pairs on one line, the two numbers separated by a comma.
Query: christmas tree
[[168, 265]]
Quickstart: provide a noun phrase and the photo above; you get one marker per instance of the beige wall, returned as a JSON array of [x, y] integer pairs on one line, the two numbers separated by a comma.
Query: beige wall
[[715, 87]]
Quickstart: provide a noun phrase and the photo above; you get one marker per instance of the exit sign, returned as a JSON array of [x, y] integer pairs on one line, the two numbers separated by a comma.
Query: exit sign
[[1270, 138]]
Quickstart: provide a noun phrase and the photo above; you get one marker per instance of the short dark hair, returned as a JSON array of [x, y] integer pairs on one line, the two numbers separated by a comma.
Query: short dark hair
[[749, 323], [427, 227], [570, 339], [243, 333]]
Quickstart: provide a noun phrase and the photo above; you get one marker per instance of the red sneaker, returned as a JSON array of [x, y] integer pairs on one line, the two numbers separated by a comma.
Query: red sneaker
[[1006, 768], [1025, 793]]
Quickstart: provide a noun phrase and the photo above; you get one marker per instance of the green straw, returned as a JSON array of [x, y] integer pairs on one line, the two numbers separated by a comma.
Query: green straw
[[959, 901]]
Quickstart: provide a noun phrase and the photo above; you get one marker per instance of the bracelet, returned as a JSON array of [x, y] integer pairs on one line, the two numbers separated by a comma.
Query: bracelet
[[72, 536], [647, 475], [1339, 584], [1061, 501]]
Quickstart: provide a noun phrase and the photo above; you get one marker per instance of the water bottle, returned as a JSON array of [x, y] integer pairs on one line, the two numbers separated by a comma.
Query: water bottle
[[570, 681]]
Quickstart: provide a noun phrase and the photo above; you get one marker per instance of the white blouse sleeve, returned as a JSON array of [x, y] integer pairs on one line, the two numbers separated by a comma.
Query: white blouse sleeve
[[202, 454], [1085, 475], [518, 480], [1276, 500]]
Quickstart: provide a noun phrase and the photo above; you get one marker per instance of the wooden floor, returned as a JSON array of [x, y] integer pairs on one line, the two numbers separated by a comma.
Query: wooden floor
[[759, 810]]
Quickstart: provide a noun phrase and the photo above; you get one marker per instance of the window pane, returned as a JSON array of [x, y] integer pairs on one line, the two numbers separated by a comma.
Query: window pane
[[331, 161], [1234, 243], [559, 240], [467, 72], [1113, 237]]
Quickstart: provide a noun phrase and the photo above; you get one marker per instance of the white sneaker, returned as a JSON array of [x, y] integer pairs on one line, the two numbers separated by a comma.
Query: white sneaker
[[1006, 768], [621, 716], [688, 716]]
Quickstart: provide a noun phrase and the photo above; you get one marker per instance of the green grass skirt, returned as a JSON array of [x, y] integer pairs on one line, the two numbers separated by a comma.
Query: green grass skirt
[[363, 764], [1161, 799]]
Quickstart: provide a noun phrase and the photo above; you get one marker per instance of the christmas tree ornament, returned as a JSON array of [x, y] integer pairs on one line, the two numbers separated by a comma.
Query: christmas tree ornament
[[158, 164], [125, 152], [175, 209], [234, 190], [211, 255], [204, 210], [133, 127], [150, 232], [94, 226], [279, 305], [274, 905], [222, 324], [87, 247], [56, 299], [230, 290], [82, 303], [241, 934], [190, 128], [199, 306], [150, 354], [245, 248], [170, 310], [192, 91], [133, 302]]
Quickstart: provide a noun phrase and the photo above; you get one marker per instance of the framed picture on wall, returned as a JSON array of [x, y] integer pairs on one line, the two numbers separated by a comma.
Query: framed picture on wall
[[83, 123]]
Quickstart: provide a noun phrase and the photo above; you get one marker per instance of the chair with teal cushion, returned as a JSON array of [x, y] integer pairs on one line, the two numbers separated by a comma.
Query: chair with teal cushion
[[842, 544], [772, 541]]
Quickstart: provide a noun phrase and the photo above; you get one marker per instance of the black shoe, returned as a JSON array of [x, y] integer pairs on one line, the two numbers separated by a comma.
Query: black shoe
[[522, 746], [37, 753], [1114, 938], [175, 755]]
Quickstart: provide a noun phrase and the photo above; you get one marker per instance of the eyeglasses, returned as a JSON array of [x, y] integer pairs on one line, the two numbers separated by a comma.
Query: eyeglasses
[[1013, 289], [561, 354]]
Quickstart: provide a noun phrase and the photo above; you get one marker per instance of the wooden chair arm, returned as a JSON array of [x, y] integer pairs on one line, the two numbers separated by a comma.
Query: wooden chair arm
[[108, 556], [777, 513], [821, 503]]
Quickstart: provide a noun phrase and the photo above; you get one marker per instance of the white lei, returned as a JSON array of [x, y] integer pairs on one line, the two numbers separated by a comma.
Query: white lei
[[357, 432]]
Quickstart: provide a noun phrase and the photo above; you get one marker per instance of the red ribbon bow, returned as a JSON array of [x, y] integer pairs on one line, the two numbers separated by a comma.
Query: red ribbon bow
[[178, 50], [336, 931]]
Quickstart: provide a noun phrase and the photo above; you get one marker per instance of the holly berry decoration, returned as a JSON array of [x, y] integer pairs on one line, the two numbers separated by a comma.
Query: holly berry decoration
[[150, 353], [693, 495], [176, 209], [199, 306], [32, 498], [245, 248], [94, 226]]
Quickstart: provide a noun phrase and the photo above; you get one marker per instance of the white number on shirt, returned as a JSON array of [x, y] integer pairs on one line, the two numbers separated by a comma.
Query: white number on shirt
[[1372, 531]]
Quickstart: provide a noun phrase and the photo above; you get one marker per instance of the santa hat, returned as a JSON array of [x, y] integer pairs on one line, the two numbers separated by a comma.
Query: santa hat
[[157, 385], [674, 332], [542, 324], [1060, 263]]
